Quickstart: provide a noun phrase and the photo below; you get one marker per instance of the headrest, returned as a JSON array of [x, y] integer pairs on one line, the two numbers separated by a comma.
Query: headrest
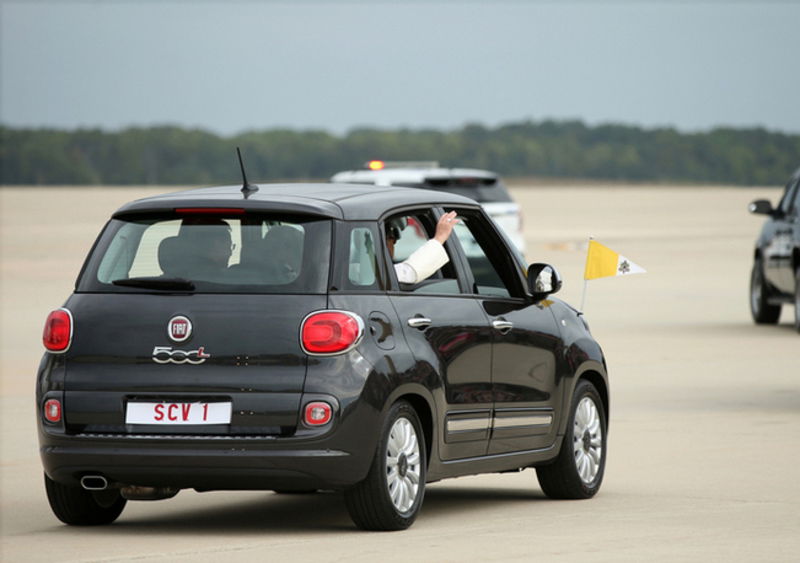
[[282, 247], [174, 257]]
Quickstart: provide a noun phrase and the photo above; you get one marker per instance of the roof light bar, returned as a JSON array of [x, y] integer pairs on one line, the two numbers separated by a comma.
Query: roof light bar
[[383, 164]]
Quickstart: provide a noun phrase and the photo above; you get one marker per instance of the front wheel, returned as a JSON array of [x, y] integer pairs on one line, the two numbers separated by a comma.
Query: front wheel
[[760, 308], [391, 495], [797, 300], [79, 507], [578, 470]]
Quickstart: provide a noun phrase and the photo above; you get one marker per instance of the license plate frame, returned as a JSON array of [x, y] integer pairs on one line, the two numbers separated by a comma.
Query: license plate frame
[[178, 413]]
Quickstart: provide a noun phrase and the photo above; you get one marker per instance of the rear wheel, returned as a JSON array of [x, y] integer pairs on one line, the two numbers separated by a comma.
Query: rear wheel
[[578, 470], [391, 495], [760, 309], [79, 507]]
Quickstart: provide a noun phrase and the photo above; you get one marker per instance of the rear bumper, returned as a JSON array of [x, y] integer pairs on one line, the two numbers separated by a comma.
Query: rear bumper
[[204, 463]]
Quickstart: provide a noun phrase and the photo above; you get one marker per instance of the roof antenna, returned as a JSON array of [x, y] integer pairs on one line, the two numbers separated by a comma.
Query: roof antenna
[[247, 188]]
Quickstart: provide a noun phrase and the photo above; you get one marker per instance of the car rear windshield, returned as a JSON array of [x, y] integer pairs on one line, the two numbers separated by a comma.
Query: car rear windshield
[[481, 189], [208, 253]]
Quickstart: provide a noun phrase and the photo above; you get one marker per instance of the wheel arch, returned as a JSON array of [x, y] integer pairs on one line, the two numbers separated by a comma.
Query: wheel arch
[[424, 408], [595, 373], [600, 384]]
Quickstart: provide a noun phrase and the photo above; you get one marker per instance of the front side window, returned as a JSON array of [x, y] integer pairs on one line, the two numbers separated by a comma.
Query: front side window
[[209, 253], [492, 268], [794, 204], [788, 203]]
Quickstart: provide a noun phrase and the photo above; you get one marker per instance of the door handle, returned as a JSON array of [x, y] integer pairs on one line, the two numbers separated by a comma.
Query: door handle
[[419, 322], [502, 325]]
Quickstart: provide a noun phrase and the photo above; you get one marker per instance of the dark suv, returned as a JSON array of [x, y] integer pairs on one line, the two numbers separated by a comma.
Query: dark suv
[[775, 279], [259, 339]]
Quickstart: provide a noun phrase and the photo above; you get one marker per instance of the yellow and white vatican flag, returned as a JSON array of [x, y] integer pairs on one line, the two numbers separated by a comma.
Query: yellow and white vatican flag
[[602, 262]]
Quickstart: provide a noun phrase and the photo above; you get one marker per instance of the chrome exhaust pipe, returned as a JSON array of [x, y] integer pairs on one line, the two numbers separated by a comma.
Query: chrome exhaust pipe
[[94, 482]]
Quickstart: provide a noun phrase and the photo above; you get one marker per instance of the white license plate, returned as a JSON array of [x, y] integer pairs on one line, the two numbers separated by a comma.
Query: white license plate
[[178, 413]]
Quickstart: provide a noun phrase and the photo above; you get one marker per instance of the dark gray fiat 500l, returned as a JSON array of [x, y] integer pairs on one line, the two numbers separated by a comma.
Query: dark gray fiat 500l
[[259, 339]]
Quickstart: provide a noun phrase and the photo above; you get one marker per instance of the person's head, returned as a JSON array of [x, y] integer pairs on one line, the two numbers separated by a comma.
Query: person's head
[[394, 230]]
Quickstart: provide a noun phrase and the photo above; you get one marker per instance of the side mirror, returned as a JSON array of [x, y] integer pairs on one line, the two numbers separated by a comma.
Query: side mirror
[[761, 207], [543, 280]]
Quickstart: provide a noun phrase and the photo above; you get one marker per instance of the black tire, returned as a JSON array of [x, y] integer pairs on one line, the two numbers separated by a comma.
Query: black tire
[[760, 308], [576, 474], [370, 502], [79, 507], [797, 300]]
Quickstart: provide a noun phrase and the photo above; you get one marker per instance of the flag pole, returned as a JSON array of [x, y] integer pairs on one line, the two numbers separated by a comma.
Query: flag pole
[[585, 281], [583, 297]]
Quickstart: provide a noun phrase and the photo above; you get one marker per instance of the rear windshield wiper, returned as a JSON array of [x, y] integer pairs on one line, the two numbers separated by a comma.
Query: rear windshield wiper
[[165, 284]]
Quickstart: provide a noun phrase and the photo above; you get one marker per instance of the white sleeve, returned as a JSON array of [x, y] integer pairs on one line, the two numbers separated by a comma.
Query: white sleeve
[[422, 263], [405, 273]]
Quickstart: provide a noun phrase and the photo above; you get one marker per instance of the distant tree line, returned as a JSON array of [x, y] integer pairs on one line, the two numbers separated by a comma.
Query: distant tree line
[[546, 149]]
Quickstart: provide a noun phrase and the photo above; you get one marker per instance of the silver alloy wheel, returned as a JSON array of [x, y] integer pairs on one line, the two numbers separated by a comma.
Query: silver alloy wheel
[[587, 440], [403, 465]]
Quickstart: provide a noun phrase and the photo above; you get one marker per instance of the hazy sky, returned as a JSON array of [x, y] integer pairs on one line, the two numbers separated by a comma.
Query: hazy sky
[[237, 65]]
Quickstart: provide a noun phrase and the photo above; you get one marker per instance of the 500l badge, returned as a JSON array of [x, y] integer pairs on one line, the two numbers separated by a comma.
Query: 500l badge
[[166, 355]]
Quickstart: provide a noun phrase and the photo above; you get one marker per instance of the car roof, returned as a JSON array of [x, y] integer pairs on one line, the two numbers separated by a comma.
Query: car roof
[[402, 175], [340, 201]]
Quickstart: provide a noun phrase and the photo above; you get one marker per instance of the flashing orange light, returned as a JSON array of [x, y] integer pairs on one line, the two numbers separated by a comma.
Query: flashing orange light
[[375, 165]]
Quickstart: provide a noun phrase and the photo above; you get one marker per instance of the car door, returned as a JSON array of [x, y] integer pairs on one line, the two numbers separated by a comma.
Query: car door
[[779, 268], [450, 337], [526, 342]]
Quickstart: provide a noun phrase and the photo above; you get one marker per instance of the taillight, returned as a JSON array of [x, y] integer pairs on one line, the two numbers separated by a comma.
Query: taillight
[[318, 413], [52, 410], [209, 211], [330, 332], [57, 334]]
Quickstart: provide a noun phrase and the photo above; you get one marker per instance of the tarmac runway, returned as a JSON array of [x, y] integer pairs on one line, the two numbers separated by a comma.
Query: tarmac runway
[[704, 452]]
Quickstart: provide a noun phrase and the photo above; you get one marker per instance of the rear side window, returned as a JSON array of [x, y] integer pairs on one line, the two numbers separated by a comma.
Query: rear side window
[[246, 253], [405, 233], [362, 266]]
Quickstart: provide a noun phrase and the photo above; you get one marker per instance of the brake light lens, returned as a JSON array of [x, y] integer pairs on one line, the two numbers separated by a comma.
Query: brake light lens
[[209, 211], [52, 410], [330, 332], [318, 413], [57, 335]]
